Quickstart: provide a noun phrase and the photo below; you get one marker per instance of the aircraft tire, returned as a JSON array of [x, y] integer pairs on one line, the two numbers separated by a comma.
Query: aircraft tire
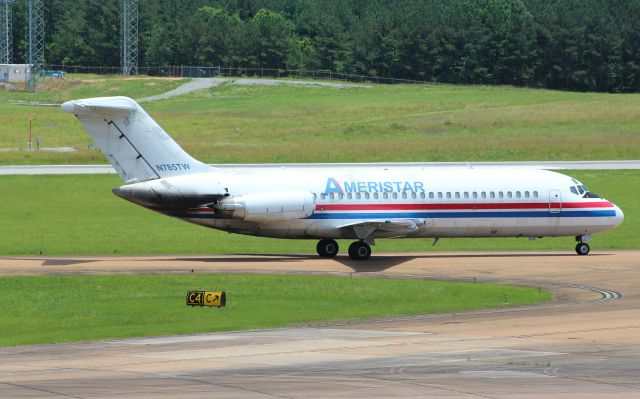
[[359, 250], [582, 248], [327, 248]]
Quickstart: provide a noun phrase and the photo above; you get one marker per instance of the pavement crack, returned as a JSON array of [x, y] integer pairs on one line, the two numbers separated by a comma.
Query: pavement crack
[[41, 390]]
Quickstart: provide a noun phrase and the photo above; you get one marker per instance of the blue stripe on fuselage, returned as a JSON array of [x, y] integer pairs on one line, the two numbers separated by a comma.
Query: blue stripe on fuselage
[[430, 215], [459, 215]]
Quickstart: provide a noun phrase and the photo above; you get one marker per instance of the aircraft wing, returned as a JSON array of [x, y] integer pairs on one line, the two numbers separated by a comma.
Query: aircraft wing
[[364, 229]]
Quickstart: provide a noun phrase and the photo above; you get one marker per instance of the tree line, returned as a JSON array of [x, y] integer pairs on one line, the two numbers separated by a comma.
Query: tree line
[[584, 45]]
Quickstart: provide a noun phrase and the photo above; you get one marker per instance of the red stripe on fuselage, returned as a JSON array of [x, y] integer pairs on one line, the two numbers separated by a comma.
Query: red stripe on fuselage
[[473, 206]]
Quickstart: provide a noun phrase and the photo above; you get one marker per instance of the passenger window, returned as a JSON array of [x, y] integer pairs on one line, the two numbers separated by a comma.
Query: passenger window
[[358, 196], [349, 195], [492, 194], [466, 194], [500, 194], [332, 196], [483, 195], [414, 195], [323, 196], [517, 194], [475, 195], [394, 195], [366, 196], [430, 195], [422, 195], [509, 194], [385, 195], [526, 194], [315, 196], [439, 195], [448, 195], [375, 195], [457, 195], [535, 194], [404, 195]]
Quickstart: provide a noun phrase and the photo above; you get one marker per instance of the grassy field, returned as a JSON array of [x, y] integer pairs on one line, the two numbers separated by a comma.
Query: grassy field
[[46, 309], [254, 124], [72, 215], [80, 86]]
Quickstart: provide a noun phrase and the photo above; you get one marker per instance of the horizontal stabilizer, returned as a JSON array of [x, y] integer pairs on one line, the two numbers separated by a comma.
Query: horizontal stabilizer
[[105, 106]]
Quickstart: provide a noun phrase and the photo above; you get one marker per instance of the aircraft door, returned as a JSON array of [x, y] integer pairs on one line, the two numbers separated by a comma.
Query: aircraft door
[[555, 201]]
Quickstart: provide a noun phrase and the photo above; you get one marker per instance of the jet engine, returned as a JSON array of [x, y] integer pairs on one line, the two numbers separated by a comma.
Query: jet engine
[[268, 207]]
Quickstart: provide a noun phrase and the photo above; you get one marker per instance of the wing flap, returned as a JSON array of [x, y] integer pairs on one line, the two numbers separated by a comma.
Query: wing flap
[[365, 229]]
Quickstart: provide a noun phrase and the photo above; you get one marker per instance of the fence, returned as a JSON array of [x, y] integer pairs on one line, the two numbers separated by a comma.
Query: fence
[[213, 71]]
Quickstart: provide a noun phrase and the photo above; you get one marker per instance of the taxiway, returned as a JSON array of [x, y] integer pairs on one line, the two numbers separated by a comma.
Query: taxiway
[[585, 343]]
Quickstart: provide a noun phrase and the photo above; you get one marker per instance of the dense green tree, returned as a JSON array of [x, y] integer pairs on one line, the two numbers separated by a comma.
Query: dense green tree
[[273, 35], [564, 44]]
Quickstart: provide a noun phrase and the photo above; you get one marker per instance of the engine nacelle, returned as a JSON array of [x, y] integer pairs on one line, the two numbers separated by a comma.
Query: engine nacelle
[[268, 207]]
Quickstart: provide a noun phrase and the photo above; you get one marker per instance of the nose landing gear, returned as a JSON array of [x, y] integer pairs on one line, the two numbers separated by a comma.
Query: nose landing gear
[[582, 248]]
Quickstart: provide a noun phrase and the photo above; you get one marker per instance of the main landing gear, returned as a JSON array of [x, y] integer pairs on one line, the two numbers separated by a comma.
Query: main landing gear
[[327, 248], [358, 250]]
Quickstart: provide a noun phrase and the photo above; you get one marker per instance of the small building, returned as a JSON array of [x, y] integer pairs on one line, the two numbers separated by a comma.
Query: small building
[[14, 73]]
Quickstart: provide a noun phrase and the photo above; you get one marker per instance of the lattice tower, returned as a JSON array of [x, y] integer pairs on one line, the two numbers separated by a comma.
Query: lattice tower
[[35, 39], [6, 32], [129, 45]]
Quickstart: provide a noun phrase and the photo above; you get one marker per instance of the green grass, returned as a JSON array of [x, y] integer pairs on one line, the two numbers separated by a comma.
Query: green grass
[[57, 128], [46, 309], [80, 86], [78, 215], [255, 124]]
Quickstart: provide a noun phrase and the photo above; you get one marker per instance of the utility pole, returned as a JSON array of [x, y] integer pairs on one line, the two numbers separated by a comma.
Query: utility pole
[[129, 45]]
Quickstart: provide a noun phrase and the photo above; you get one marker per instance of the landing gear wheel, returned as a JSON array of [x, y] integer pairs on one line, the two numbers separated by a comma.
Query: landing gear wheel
[[327, 248], [359, 250], [582, 248]]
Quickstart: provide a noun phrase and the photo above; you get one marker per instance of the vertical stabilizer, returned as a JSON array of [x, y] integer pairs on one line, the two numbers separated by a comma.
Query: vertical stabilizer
[[135, 145]]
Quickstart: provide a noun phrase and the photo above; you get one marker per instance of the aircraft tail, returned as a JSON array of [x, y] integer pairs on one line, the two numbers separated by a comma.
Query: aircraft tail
[[135, 145]]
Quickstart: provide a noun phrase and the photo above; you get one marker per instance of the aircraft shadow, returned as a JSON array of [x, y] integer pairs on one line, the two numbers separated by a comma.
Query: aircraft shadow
[[376, 263], [243, 258]]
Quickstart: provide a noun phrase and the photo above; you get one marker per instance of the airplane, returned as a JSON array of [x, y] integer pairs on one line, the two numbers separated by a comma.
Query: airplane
[[363, 203]]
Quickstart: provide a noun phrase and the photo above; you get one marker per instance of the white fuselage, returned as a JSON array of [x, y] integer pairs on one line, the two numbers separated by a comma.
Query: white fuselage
[[362, 202], [456, 202]]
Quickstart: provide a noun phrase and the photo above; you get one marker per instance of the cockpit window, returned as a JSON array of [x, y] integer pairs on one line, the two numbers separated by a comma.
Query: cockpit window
[[583, 191], [589, 194]]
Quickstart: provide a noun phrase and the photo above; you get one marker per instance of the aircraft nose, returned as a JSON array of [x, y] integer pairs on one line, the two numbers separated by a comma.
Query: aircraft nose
[[619, 216]]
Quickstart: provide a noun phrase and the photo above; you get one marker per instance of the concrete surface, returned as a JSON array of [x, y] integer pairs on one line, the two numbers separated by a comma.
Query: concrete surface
[[100, 169], [207, 83], [584, 344]]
